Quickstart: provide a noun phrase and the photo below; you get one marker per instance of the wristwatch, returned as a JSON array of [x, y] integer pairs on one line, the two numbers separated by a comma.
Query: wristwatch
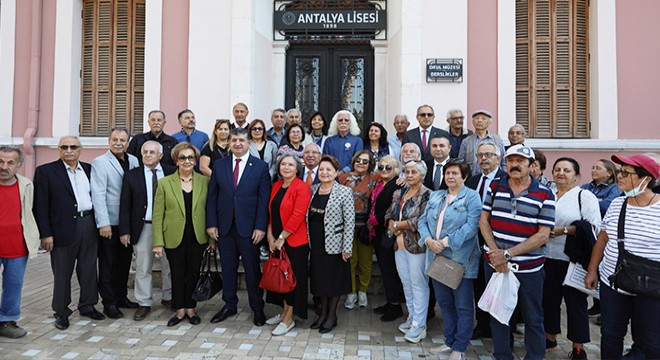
[[280, 237], [565, 230], [394, 225], [507, 256]]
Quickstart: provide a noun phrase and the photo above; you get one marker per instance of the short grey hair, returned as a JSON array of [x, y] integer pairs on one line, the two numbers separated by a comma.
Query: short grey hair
[[420, 165], [416, 147], [451, 111], [520, 127], [497, 148], [293, 110], [299, 165], [14, 149], [392, 160], [152, 142]]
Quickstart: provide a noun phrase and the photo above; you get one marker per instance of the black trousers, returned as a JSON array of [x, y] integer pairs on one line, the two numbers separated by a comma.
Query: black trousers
[[81, 255], [114, 266], [576, 304], [185, 261], [389, 274]]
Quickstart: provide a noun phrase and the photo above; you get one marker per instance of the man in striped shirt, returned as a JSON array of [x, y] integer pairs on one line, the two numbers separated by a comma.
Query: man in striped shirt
[[518, 214]]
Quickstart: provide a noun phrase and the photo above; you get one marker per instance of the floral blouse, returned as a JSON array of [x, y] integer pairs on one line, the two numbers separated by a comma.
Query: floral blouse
[[412, 210]]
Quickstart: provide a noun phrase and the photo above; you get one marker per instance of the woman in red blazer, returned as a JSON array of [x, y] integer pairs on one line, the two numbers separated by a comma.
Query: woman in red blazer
[[289, 200]]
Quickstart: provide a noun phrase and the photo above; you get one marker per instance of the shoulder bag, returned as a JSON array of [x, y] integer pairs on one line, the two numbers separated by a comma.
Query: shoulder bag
[[210, 282], [278, 275], [634, 274]]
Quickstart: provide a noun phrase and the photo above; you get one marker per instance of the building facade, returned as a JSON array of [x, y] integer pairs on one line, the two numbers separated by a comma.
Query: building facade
[[579, 74]]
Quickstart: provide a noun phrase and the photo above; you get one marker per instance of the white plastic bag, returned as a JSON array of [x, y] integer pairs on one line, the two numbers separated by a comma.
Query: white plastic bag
[[501, 296]]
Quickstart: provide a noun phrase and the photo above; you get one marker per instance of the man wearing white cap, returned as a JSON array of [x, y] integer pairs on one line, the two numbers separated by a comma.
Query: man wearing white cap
[[518, 214], [481, 119]]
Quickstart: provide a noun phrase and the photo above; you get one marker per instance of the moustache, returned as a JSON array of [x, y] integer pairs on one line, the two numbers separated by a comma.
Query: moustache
[[515, 168]]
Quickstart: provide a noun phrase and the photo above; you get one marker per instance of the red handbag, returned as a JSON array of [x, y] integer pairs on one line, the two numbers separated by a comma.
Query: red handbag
[[277, 274]]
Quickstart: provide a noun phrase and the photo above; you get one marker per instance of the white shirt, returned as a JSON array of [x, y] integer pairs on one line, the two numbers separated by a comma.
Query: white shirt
[[241, 165], [442, 165], [80, 185], [489, 178], [307, 170], [148, 176]]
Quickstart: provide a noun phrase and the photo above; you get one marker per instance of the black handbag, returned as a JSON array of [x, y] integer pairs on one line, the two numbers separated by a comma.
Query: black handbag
[[210, 282], [634, 274]]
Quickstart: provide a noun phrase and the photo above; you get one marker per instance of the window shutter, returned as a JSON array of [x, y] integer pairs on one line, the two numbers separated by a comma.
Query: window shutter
[[552, 67], [107, 91]]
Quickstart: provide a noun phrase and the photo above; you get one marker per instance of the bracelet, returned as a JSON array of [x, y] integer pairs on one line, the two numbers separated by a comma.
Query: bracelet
[[394, 225]]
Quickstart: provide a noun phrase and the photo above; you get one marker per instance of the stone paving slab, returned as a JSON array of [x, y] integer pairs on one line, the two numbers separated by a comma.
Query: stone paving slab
[[359, 335]]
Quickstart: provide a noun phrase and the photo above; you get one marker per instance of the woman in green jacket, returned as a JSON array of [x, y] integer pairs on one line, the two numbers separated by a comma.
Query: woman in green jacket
[[179, 223]]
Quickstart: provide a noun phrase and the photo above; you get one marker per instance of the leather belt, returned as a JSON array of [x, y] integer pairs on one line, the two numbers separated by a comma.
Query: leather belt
[[82, 214], [147, 221]]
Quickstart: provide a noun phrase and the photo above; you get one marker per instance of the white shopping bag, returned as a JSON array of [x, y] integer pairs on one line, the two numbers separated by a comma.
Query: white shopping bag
[[501, 296]]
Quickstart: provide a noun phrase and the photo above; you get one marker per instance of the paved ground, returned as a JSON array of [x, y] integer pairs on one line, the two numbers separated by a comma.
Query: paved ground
[[359, 335]]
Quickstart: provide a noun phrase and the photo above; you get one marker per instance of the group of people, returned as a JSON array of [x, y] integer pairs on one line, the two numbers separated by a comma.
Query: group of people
[[330, 199]]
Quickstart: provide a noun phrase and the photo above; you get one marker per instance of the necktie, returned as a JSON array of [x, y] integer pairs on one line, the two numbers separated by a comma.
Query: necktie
[[309, 179], [236, 172], [423, 140], [482, 187], [154, 184], [437, 177]]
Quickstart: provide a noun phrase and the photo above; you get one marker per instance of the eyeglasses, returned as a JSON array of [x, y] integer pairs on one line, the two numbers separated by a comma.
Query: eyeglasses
[[257, 129], [426, 114], [295, 132], [190, 158], [487, 155], [67, 147], [362, 161], [624, 173], [385, 167], [343, 120], [457, 118]]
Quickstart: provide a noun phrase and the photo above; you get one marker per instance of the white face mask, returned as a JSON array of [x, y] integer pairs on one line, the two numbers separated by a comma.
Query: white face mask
[[637, 189]]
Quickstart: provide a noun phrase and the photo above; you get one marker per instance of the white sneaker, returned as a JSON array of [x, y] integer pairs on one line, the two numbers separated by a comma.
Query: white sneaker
[[416, 333], [274, 320], [456, 355], [362, 299], [351, 299], [443, 349], [283, 328], [404, 327]]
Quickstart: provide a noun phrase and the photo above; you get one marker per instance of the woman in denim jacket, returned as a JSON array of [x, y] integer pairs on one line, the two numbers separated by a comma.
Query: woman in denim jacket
[[448, 227]]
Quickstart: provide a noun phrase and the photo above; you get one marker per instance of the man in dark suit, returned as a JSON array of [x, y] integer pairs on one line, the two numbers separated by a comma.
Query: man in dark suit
[[237, 218], [440, 148], [311, 159], [63, 210], [425, 132], [114, 256], [135, 227], [489, 156]]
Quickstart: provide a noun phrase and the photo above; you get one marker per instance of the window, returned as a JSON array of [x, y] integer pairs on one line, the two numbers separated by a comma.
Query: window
[[112, 76], [552, 68]]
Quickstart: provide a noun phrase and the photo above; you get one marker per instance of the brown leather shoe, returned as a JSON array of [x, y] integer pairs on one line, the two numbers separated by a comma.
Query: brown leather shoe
[[141, 313]]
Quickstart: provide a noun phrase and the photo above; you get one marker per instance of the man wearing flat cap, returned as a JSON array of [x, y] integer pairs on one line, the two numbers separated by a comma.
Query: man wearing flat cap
[[481, 120]]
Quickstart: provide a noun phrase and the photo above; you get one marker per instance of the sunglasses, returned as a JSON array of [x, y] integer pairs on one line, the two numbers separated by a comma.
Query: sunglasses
[[624, 173], [257, 129], [385, 167], [362, 161], [190, 158], [67, 147], [426, 115]]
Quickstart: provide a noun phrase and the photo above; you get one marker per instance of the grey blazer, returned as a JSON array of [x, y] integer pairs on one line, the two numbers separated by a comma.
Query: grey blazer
[[339, 219], [270, 155], [105, 183]]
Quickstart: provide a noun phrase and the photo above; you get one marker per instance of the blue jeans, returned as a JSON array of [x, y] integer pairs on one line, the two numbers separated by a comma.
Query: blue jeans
[[457, 308], [616, 311], [415, 283], [530, 302], [12, 287]]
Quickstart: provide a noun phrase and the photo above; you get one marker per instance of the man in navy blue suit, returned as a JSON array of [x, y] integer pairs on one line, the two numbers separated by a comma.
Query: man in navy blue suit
[[312, 159], [237, 217]]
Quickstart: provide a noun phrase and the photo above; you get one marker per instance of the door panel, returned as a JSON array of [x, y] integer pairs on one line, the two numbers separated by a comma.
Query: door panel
[[330, 78]]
